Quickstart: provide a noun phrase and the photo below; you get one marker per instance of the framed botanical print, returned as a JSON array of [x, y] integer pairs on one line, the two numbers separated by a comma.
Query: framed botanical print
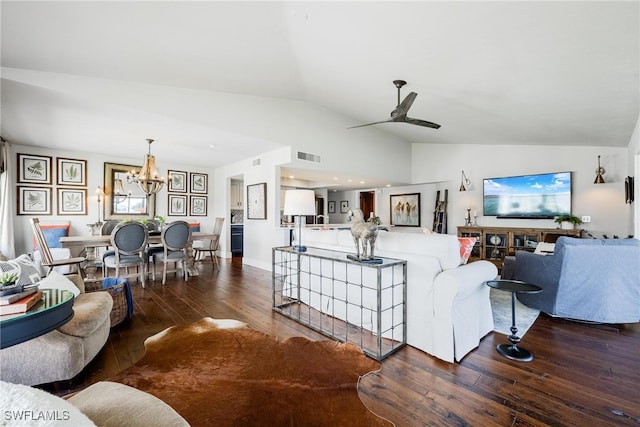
[[177, 182], [72, 201], [257, 201], [177, 205], [332, 207], [198, 182], [34, 169], [71, 172], [344, 206], [34, 200], [405, 209], [198, 206]]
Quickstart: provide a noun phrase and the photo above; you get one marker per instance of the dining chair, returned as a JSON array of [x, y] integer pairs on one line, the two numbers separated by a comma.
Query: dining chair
[[106, 230], [47, 259], [129, 240], [175, 237], [210, 246]]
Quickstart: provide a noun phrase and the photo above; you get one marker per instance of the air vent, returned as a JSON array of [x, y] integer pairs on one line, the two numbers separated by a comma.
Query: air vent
[[256, 162], [308, 156]]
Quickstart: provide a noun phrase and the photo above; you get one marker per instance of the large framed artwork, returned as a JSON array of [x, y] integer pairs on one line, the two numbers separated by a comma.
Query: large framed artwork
[[198, 206], [405, 210], [72, 201], [71, 172], [257, 201], [177, 182], [198, 182], [34, 200], [34, 169], [177, 205]]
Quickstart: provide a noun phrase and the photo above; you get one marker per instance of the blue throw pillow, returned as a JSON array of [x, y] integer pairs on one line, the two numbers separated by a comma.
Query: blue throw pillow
[[52, 234]]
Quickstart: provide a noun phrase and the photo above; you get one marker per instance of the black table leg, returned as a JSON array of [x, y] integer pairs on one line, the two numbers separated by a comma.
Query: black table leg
[[512, 351]]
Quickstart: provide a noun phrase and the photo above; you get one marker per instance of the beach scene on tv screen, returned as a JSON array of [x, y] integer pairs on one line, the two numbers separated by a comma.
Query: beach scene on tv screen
[[545, 195]]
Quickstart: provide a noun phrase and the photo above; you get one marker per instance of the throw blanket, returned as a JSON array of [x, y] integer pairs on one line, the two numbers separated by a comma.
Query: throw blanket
[[113, 281]]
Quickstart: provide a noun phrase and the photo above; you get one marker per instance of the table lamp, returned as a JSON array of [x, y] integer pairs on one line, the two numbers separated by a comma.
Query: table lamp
[[299, 203]]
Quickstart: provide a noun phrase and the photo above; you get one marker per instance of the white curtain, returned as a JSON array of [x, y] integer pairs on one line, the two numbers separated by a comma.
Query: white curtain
[[7, 242]]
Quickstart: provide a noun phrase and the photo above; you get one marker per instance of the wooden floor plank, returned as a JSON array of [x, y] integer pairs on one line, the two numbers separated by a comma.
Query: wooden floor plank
[[582, 374]]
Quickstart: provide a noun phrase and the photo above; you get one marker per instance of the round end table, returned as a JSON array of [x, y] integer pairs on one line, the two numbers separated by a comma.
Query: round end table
[[512, 351]]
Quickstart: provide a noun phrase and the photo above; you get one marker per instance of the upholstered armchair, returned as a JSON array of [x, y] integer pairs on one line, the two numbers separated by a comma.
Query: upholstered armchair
[[585, 279], [62, 353]]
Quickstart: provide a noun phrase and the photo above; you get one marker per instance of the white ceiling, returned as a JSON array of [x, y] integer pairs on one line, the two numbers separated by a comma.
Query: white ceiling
[[104, 76]]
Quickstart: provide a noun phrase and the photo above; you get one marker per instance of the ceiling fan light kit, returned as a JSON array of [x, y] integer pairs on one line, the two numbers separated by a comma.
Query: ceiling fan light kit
[[399, 114]]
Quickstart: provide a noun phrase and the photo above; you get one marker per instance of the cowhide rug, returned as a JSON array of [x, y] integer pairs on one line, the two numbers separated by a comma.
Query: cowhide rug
[[224, 373]]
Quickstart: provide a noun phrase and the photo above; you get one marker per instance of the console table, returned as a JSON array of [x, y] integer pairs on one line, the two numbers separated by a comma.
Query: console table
[[360, 303]]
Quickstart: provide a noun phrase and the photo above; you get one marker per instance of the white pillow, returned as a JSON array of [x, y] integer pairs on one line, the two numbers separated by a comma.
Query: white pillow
[[545, 248], [27, 406], [56, 280]]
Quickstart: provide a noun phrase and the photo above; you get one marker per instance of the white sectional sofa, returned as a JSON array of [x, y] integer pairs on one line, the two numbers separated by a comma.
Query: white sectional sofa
[[448, 306]]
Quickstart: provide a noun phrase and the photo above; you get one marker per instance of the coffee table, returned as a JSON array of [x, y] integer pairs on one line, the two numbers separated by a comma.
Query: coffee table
[[512, 351], [54, 310]]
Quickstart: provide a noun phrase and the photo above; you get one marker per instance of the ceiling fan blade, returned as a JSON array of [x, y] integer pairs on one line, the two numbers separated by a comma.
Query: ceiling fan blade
[[421, 123], [401, 110], [369, 124]]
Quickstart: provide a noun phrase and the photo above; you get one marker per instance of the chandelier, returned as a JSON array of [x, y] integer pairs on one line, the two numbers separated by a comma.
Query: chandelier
[[147, 179]]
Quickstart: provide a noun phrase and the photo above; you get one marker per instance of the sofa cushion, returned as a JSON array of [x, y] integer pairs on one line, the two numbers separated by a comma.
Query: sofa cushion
[[113, 404], [31, 406], [90, 312]]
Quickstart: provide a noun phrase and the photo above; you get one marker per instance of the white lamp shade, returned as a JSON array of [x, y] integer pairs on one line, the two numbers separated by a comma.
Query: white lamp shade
[[299, 202]]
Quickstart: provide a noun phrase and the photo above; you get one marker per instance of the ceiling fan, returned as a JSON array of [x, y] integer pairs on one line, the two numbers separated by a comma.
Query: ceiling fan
[[399, 114]]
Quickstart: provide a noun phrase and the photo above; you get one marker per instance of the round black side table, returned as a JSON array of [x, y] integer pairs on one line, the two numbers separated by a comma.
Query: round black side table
[[512, 351]]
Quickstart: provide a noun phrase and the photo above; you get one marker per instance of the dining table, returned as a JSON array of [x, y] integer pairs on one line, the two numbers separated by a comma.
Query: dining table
[[91, 243]]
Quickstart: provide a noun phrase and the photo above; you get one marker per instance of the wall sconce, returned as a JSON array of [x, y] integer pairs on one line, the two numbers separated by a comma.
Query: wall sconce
[[599, 172], [464, 181]]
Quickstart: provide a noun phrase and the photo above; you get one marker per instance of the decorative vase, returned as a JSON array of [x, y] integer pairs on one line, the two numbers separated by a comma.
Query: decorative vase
[[566, 225]]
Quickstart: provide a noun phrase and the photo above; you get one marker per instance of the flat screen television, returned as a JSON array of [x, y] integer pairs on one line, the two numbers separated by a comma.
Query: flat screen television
[[539, 196]]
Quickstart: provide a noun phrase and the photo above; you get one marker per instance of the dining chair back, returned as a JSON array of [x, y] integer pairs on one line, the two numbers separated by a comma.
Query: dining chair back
[[129, 239], [175, 237], [211, 246], [47, 260]]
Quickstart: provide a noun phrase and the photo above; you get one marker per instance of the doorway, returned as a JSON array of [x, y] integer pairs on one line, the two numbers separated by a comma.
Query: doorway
[[367, 203]]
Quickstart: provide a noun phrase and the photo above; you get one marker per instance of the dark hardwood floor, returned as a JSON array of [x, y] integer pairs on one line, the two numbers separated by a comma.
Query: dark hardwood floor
[[582, 375]]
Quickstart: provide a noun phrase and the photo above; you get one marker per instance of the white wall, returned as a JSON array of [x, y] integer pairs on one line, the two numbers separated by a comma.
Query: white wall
[[443, 164]]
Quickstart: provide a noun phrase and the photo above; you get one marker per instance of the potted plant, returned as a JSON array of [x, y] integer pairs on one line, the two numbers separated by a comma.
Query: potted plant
[[568, 221]]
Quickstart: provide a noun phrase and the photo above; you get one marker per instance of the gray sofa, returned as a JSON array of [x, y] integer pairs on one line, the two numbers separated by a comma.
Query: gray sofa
[[585, 279], [62, 353]]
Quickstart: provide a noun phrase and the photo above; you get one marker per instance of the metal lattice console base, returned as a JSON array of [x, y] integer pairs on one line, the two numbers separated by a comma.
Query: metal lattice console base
[[360, 303]]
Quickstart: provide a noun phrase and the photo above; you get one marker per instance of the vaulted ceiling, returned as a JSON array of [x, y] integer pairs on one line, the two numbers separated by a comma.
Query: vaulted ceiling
[[229, 80]]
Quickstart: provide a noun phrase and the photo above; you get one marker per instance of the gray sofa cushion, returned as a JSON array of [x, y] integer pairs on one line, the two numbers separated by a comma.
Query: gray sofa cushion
[[112, 404], [90, 312]]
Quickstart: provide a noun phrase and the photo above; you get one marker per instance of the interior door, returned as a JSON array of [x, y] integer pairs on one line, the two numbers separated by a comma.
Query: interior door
[[367, 203]]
